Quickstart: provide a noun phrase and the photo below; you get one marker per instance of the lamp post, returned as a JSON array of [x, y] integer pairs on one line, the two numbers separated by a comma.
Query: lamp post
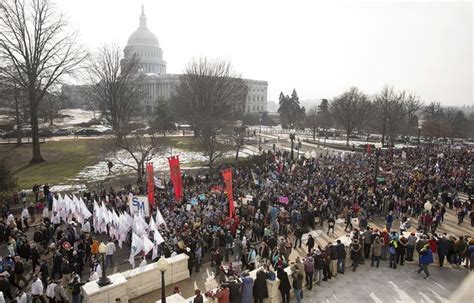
[[104, 280], [419, 133], [260, 136], [163, 265], [292, 139], [318, 136], [377, 155]]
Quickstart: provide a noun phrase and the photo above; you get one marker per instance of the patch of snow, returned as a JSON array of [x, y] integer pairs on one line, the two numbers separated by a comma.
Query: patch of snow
[[100, 170], [76, 116], [67, 187]]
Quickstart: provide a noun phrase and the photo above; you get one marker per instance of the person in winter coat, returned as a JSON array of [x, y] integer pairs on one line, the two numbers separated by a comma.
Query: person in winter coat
[[284, 285], [235, 289], [223, 294], [332, 251], [198, 297], [309, 271], [247, 288], [426, 258], [443, 249], [355, 254], [341, 257], [298, 285], [318, 266], [376, 251], [310, 243], [260, 290], [411, 246]]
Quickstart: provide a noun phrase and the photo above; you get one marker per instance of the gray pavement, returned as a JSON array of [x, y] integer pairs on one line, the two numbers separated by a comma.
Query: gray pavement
[[388, 285]]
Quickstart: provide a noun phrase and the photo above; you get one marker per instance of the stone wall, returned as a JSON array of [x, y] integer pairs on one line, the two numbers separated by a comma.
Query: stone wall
[[137, 282]]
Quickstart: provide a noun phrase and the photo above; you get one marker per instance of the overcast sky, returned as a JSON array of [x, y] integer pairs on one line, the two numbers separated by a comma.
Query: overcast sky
[[320, 48]]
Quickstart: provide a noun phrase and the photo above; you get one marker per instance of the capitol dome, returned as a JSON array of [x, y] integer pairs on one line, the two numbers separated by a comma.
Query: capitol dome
[[143, 45]]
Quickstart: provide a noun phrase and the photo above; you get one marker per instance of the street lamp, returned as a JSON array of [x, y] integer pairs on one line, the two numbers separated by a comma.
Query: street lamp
[[419, 133], [163, 265], [104, 280], [260, 136], [377, 155], [292, 139]]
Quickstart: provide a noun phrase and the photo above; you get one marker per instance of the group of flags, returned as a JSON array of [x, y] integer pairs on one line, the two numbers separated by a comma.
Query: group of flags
[[117, 224], [141, 232], [68, 207]]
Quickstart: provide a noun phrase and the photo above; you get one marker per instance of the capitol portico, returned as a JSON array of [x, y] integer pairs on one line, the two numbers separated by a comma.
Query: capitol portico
[[144, 46]]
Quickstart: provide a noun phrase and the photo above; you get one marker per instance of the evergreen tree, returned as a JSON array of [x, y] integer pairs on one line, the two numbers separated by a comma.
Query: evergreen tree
[[7, 181], [290, 110]]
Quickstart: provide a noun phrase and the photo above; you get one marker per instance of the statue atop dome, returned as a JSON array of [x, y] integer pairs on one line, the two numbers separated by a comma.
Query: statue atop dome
[[143, 18]]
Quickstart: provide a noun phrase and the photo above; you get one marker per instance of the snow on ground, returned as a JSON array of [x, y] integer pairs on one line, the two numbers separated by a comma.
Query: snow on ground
[[100, 172], [76, 116]]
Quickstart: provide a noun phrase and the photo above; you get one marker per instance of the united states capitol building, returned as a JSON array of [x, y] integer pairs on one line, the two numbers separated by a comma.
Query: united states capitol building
[[143, 46]]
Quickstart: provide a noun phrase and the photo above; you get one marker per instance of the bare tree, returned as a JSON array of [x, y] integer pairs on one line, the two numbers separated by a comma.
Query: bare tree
[[140, 148], [34, 41], [51, 106], [350, 110], [412, 105], [208, 96], [389, 112], [13, 98], [116, 90]]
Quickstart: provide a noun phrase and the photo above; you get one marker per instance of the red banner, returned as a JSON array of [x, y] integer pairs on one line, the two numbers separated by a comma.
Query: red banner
[[175, 175], [227, 174], [150, 184], [369, 149]]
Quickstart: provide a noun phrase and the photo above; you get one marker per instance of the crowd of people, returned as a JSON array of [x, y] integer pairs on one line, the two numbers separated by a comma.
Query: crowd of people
[[277, 202]]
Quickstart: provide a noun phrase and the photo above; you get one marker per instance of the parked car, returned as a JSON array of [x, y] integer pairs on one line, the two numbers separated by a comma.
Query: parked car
[[142, 131], [87, 132], [13, 134], [61, 132], [108, 132], [45, 133]]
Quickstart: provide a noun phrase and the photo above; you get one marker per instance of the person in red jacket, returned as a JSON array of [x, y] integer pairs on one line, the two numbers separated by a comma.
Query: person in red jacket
[[223, 295]]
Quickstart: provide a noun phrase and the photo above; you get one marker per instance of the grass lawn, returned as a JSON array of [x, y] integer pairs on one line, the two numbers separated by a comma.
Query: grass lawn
[[63, 160]]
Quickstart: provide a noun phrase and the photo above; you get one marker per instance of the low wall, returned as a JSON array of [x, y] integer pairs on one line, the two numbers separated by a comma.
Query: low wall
[[137, 282]]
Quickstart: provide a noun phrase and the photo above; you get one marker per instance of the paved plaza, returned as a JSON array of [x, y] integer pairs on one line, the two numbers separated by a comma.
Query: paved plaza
[[368, 284]]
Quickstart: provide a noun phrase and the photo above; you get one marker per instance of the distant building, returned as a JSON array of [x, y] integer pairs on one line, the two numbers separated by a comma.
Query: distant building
[[144, 46]]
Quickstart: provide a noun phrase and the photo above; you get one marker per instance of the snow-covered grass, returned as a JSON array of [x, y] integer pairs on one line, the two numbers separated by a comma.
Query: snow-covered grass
[[76, 116]]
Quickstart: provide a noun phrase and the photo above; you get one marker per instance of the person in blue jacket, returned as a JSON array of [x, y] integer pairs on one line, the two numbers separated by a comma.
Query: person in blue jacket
[[247, 288], [426, 258]]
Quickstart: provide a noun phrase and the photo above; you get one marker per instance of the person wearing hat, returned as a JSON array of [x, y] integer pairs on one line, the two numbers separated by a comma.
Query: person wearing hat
[[426, 258]]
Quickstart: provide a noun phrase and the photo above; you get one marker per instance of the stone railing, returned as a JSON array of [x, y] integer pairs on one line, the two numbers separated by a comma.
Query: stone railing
[[137, 282]]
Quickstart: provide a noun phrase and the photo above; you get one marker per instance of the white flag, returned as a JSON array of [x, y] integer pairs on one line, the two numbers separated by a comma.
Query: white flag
[[132, 260], [159, 218], [137, 245], [148, 245]]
